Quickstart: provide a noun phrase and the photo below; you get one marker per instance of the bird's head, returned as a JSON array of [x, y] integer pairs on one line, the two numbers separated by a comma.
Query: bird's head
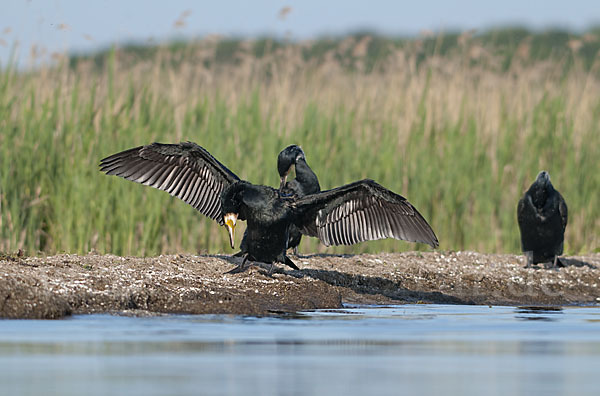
[[541, 188], [543, 178], [286, 158]]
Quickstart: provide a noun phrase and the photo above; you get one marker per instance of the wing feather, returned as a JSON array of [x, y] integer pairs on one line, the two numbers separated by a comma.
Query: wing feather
[[361, 211], [185, 170], [146, 173]]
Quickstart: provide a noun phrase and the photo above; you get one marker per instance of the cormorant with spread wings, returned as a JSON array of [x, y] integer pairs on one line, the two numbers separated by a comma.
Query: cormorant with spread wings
[[356, 212]]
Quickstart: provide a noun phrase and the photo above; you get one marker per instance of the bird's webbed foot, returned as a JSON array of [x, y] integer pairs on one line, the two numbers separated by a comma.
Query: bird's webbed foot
[[290, 263]]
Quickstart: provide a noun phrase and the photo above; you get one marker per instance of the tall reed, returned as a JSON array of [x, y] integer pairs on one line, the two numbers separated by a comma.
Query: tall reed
[[461, 135]]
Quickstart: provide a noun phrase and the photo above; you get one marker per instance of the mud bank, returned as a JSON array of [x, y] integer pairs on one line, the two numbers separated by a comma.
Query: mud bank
[[56, 286]]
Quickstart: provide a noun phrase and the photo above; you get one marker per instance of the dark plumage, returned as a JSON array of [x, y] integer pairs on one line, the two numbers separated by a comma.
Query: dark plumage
[[306, 182], [361, 211], [356, 212], [542, 216]]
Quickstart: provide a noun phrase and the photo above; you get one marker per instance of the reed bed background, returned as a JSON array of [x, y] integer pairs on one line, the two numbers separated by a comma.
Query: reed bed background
[[460, 130]]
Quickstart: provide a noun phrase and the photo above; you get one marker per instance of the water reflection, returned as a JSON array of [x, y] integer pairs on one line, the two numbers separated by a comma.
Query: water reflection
[[546, 314], [415, 349]]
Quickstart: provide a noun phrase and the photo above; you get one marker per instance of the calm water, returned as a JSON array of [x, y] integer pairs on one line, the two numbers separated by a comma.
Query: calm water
[[409, 349]]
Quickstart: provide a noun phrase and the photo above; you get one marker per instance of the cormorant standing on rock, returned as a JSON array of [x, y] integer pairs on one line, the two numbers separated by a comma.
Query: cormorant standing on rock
[[542, 216], [356, 212]]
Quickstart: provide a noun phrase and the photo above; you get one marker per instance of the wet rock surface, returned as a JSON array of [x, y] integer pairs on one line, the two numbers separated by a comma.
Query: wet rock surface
[[56, 286]]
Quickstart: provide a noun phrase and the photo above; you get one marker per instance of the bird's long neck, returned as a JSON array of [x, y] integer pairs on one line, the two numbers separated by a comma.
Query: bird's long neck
[[306, 177]]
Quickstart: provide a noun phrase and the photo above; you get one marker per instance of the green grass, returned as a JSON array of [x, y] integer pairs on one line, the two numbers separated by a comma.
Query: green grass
[[461, 146]]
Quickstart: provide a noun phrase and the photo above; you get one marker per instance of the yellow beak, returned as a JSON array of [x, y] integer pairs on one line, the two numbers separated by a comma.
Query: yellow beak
[[230, 220]]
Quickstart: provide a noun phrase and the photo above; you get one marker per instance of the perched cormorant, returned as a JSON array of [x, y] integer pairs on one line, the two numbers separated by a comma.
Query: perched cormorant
[[356, 212], [306, 182], [542, 216]]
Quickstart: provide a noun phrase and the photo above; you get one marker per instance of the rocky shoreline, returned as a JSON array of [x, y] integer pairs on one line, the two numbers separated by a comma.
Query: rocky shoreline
[[56, 286]]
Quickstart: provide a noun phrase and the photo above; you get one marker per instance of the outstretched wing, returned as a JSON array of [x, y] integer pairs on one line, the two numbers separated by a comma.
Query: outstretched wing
[[185, 170], [361, 211]]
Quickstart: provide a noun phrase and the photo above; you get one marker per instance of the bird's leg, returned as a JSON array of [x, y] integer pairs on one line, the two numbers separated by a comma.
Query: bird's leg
[[529, 256], [551, 264], [268, 267], [240, 268], [556, 263], [295, 251]]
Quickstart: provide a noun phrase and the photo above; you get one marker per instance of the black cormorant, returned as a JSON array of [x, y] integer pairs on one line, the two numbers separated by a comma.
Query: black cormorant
[[542, 216], [356, 212], [306, 182]]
